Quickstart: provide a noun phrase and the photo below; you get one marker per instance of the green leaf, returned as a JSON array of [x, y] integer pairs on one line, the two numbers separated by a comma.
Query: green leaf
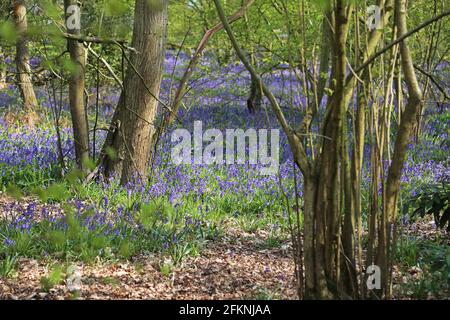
[[55, 277], [8, 32], [50, 9], [57, 192], [322, 4], [70, 66], [115, 7]]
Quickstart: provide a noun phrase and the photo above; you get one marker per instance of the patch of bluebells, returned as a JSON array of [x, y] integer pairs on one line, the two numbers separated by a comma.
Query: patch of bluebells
[[217, 97]]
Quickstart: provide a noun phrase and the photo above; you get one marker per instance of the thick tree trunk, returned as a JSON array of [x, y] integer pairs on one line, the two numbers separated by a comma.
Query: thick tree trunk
[[76, 88], [23, 57], [136, 112]]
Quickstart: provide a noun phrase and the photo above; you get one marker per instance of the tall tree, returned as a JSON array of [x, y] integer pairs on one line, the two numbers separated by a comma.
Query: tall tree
[[23, 56], [404, 137], [329, 205], [133, 122], [77, 83]]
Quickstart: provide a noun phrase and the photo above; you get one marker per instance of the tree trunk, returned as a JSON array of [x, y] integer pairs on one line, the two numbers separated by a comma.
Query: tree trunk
[[137, 108], [255, 99], [76, 87], [2, 69], [405, 133], [23, 57]]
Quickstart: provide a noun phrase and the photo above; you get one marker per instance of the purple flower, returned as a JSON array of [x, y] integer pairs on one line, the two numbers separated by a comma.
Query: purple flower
[[8, 242]]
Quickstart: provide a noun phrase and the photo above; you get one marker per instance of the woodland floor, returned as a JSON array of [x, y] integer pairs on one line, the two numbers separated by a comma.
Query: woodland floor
[[235, 267], [223, 271]]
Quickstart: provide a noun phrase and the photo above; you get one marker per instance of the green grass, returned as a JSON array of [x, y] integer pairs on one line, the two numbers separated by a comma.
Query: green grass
[[433, 259], [8, 266]]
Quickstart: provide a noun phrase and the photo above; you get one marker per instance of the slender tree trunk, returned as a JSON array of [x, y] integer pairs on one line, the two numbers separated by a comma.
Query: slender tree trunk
[[405, 133], [137, 108], [327, 207], [23, 56], [324, 59], [255, 99], [2, 69], [359, 127], [77, 85], [309, 196]]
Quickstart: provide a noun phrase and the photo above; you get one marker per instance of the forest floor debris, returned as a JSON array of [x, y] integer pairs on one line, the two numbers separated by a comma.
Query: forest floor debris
[[238, 265], [223, 271]]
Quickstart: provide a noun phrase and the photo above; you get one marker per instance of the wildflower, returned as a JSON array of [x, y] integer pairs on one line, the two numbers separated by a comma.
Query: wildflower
[[8, 242], [405, 220]]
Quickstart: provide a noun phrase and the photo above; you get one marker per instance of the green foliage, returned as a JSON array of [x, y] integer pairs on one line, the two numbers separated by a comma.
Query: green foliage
[[432, 261], [408, 251], [433, 200], [8, 266], [166, 269], [8, 32], [125, 249], [57, 192], [50, 8], [115, 7], [55, 277], [14, 192]]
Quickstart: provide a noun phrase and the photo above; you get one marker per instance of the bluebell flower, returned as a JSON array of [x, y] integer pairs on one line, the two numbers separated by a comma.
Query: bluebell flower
[[8, 242]]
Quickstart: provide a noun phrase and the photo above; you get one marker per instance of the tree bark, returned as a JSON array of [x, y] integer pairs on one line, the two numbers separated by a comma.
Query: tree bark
[[405, 133], [23, 56], [2, 69], [76, 91], [135, 114], [254, 101]]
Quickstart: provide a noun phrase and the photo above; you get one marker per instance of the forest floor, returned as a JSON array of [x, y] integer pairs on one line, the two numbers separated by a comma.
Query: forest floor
[[236, 266], [224, 271]]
